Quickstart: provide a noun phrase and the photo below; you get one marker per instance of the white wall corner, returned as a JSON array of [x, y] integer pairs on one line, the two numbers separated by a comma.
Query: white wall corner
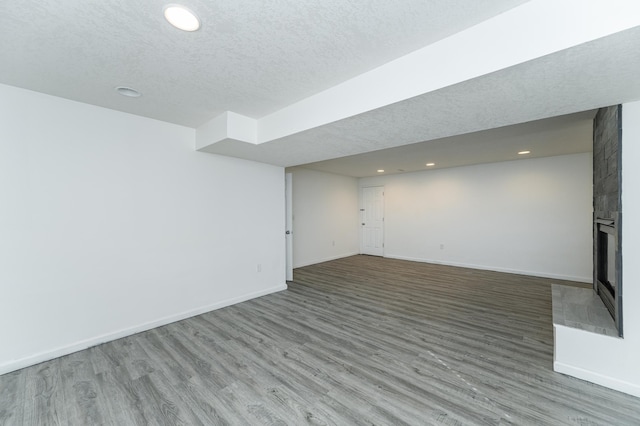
[[242, 128], [228, 126], [212, 131]]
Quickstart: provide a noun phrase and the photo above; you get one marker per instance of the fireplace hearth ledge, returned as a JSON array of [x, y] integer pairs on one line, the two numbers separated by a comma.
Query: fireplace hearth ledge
[[581, 308]]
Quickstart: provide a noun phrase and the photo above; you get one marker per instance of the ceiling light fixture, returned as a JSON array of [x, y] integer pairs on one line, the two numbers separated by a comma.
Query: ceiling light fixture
[[380, 171], [431, 164], [524, 152], [181, 17], [128, 91]]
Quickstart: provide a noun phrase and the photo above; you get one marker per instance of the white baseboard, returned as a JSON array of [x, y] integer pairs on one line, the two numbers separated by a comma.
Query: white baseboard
[[94, 341], [599, 379], [496, 269], [326, 259]]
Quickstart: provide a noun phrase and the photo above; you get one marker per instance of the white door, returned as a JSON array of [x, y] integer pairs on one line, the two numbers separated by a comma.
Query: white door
[[288, 236], [372, 223]]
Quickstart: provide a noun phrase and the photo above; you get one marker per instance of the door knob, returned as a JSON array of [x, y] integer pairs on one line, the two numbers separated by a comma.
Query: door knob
[[287, 232]]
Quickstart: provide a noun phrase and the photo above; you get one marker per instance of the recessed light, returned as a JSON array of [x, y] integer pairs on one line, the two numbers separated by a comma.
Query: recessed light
[[380, 171], [128, 91], [431, 164], [181, 17], [524, 152]]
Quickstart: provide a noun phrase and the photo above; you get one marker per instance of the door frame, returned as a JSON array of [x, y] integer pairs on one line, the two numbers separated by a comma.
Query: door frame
[[288, 225]]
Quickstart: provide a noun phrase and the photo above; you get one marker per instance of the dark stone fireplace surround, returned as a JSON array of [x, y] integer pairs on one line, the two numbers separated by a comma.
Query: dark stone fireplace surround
[[584, 308], [607, 207]]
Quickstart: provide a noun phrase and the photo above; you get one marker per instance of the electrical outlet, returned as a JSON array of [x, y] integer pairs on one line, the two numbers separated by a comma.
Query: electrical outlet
[[259, 267], [441, 246], [333, 243]]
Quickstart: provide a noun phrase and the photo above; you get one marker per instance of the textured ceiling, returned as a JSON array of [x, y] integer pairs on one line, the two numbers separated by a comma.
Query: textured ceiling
[[567, 134], [251, 57], [592, 75], [271, 61]]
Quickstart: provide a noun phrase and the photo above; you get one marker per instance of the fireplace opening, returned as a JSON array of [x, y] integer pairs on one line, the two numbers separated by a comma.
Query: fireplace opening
[[608, 262]]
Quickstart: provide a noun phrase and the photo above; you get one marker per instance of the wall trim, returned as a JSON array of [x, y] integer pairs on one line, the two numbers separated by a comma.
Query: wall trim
[[597, 378], [108, 337], [327, 259], [587, 280]]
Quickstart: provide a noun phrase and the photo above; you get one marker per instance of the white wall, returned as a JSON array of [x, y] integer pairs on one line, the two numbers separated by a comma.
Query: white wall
[[325, 217], [611, 361], [111, 223], [528, 216]]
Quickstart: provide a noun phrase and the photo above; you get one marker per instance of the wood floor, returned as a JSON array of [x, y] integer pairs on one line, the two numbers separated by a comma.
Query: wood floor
[[360, 340]]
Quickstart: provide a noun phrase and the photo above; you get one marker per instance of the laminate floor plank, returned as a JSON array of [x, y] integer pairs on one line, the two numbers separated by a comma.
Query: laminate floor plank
[[355, 341], [120, 393], [12, 397], [81, 391], [43, 388]]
